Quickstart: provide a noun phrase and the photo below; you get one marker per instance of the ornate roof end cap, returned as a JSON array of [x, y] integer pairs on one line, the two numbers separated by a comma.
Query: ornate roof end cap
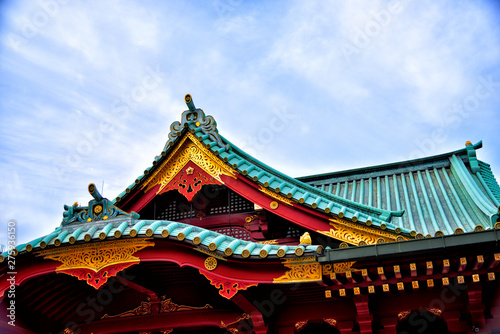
[[471, 154], [197, 118], [99, 208]]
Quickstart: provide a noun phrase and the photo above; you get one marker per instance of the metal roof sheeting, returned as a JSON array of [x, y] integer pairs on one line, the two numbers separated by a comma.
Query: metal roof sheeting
[[437, 194]]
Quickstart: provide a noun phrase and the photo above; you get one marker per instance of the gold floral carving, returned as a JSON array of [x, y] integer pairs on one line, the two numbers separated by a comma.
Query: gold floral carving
[[300, 325], [97, 256], [403, 314], [276, 196], [330, 321], [300, 272], [337, 268], [166, 305], [355, 234], [234, 330], [269, 242], [187, 150]]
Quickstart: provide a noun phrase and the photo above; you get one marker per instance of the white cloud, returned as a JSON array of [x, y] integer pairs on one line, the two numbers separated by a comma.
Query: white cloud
[[86, 64]]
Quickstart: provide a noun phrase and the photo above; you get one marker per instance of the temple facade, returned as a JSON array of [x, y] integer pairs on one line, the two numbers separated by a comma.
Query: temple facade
[[210, 240]]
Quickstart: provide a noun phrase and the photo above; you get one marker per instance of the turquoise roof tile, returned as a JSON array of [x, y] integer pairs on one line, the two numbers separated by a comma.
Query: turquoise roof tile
[[96, 229], [438, 194]]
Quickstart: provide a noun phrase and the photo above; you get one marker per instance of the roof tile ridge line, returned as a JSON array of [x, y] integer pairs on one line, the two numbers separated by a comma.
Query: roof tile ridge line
[[487, 173], [462, 151], [470, 185], [488, 190], [381, 212], [489, 187]]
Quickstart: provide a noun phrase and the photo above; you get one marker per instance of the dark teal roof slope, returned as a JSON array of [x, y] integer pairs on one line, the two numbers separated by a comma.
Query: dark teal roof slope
[[116, 228], [204, 128], [441, 193]]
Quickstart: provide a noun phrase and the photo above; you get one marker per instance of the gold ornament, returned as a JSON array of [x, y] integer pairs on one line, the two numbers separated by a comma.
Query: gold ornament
[[210, 263]]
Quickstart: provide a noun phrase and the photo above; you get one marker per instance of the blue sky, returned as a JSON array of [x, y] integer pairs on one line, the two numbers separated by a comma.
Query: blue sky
[[89, 89]]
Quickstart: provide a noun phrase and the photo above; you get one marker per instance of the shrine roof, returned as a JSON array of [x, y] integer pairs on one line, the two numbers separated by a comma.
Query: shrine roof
[[204, 129], [200, 238], [439, 194]]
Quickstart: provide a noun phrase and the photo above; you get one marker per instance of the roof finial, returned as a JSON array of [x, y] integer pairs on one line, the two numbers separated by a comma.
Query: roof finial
[[189, 102], [467, 143]]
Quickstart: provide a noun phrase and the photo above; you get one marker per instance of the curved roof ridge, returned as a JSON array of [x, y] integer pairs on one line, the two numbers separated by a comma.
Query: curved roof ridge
[[398, 164], [371, 209], [481, 201]]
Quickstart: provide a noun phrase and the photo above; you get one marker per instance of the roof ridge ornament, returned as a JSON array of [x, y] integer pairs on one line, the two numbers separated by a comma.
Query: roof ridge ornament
[[193, 115], [471, 154], [99, 208]]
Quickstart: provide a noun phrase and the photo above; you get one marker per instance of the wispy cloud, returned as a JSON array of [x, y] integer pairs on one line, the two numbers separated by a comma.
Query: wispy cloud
[[356, 83]]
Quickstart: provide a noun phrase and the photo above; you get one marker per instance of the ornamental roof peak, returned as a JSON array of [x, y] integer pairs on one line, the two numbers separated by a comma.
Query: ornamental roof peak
[[99, 208], [205, 124]]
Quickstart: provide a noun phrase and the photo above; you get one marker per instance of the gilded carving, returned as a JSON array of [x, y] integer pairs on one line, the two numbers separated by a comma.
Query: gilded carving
[[144, 308], [330, 321], [301, 272], [208, 252], [97, 256], [187, 150], [276, 196], [227, 287], [269, 242], [300, 325], [355, 234], [403, 314], [210, 263], [234, 330], [166, 305], [337, 268], [97, 262]]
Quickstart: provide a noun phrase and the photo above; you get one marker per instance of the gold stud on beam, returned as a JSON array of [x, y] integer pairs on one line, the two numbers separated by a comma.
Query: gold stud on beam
[[342, 292], [371, 289], [328, 294], [401, 286], [475, 278], [357, 291], [366, 277], [385, 287], [414, 285], [463, 264], [446, 281], [429, 268], [496, 261], [397, 271], [380, 272], [460, 280], [479, 262], [491, 276], [413, 269], [446, 266], [430, 283]]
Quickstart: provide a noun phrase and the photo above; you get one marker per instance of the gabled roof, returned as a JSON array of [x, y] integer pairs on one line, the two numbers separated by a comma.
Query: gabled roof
[[204, 129], [440, 194]]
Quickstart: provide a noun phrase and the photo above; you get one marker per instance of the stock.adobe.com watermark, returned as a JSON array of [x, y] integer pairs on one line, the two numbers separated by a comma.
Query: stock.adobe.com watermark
[[34, 23], [11, 273]]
